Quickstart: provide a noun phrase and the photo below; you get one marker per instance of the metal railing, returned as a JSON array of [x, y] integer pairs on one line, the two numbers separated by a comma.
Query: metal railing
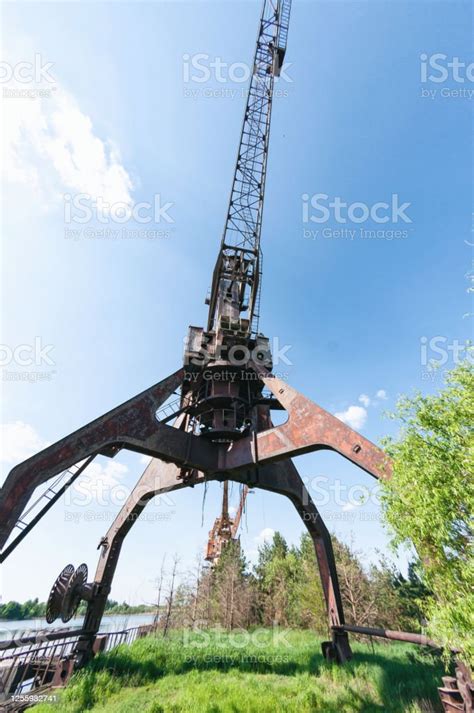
[[45, 660]]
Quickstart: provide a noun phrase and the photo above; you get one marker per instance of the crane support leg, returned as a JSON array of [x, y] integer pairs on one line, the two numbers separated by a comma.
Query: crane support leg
[[132, 425], [283, 478], [158, 478]]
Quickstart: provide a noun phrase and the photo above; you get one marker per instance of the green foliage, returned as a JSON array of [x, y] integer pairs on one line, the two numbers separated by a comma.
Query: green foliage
[[290, 591], [309, 609], [267, 671], [413, 594], [34, 609], [231, 557], [428, 503], [277, 575], [31, 609]]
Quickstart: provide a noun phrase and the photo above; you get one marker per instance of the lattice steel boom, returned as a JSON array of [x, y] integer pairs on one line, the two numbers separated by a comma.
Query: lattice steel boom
[[236, 278]]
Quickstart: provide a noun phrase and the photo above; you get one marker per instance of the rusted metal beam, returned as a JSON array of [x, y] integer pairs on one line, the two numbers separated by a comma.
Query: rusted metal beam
[[406, 636], [161, 477], [309, 428], [283, 478], [50, 501], [133, 425], [158, 478]]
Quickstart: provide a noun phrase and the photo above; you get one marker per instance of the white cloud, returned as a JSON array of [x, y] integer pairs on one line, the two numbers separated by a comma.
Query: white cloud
[[50, 144], [266, 535], [112, 472], [347, 507], [145, 460], [100, 480], [19, 441], [364, 400], [354, 416], [232, 510], [382, 394]]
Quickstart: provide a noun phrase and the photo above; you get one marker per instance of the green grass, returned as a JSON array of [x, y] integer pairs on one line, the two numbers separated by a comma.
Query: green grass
[[269, 673]]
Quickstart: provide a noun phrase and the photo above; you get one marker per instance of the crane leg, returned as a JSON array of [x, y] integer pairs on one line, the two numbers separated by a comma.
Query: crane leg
[[132, 425], [283, 478], [158, 478]]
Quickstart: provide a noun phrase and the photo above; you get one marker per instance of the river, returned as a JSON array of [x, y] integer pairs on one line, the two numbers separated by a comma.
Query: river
[[110, 622]]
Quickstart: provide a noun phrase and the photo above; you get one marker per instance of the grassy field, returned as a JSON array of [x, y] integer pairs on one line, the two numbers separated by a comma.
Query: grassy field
[[268, 672]]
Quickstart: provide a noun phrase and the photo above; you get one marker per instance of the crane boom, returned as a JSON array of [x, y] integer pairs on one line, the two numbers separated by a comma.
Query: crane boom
[[225, 528], [224, 407], [240, 509], [236, 278], [236, 281]]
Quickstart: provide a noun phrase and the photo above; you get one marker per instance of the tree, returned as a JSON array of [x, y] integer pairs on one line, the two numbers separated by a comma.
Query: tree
[[276, 575], [428, 503], [231, 592], [413, 595], [170, 597], [310, 609], [159, 587], [368, 593]]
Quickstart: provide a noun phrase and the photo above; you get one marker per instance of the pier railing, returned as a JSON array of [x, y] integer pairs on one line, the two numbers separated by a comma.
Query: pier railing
[[32, 664]]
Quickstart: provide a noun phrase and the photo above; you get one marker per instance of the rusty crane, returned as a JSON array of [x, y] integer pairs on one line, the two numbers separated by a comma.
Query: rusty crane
[[225, 527], [218, 426]]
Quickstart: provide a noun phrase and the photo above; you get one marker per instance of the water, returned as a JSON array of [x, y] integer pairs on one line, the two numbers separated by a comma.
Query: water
[[110, 622]]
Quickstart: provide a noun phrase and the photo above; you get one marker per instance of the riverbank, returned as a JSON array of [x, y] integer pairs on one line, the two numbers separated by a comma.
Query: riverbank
[[264, 671], [110, 622]]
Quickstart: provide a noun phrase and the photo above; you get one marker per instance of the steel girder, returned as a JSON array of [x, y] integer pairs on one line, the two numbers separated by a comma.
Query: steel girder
[[308, 428], [134, 426]]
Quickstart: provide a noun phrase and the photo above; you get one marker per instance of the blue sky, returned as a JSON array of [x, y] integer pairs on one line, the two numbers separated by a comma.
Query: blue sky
[[119, 120]]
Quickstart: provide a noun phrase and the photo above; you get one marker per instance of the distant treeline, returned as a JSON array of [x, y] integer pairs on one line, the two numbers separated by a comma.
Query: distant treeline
[[284, 588], [34, 609]]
